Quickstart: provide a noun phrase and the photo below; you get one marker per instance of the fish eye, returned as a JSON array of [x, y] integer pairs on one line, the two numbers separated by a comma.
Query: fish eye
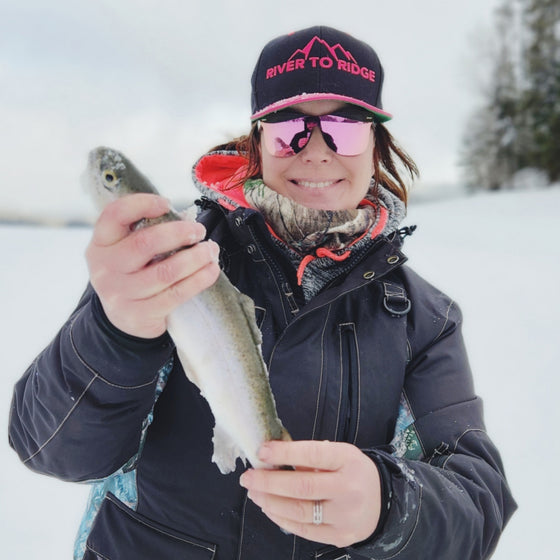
[[109, 176]]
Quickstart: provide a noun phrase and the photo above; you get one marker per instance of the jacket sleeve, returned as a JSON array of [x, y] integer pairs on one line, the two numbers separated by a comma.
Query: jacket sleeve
[[448, 493], [78, 410]]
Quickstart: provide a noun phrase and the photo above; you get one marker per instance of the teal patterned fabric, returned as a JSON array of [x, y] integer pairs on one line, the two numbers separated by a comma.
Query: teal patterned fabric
[[406, 441], [121, 483]]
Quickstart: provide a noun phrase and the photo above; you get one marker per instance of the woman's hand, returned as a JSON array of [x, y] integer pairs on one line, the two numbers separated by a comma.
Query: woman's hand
[[338, 475], [136, 294]]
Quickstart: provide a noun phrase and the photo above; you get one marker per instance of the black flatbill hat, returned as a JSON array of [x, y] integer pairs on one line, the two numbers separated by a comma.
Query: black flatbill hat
[[317, 63]]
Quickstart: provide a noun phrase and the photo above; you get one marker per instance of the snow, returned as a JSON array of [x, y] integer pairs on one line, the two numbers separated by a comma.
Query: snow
[[496, 254]]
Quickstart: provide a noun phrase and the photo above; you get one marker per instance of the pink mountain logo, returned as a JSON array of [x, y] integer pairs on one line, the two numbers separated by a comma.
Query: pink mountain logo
[[306, 51], [310, 56]]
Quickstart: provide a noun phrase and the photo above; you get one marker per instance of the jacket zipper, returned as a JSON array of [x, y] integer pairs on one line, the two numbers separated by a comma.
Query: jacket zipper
[[349, 407], [284, 287]]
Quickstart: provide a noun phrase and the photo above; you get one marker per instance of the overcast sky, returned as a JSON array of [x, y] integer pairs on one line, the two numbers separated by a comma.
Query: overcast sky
[[164, 80]]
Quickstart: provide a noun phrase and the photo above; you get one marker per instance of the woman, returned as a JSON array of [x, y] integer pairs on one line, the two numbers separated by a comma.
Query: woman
[[366, 359]]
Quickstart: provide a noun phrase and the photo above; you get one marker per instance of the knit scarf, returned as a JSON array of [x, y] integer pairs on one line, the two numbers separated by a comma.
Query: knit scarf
[[306, 229]]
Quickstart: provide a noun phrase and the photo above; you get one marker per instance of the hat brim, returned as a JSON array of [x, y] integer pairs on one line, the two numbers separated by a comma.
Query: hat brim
[[380, 115]]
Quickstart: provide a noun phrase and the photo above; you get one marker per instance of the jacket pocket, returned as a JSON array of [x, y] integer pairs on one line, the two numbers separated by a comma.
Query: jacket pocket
[[120, 533], [349, 400]]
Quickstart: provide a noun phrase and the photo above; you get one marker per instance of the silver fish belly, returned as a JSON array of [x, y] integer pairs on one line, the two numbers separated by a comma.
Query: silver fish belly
[[216, 336]]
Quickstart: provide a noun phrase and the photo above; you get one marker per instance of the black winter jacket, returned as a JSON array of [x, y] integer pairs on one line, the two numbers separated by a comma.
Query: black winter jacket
[[376, 359]]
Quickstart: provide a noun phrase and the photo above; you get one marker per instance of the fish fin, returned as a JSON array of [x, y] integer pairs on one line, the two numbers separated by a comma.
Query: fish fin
[[285, 435], [226, 451], [248, 306]]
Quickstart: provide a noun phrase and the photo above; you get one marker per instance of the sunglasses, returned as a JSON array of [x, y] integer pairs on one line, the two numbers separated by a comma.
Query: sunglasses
[[286, 133]]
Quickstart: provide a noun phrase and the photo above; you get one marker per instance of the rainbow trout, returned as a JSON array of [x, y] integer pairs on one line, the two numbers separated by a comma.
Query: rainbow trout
[[215, 334]]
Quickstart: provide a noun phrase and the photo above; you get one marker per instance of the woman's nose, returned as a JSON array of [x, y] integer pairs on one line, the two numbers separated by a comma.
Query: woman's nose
[[316, 150]]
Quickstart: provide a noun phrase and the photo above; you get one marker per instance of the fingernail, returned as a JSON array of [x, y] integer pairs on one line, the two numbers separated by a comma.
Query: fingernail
[[200, 230], [215, 250], [244, 479], [264, 452]]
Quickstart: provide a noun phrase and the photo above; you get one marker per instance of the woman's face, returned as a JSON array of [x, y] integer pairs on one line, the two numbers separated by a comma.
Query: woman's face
[[318, 177]]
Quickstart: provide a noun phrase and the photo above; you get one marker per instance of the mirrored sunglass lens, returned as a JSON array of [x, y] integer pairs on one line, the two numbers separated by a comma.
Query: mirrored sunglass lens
[[284, 139], [349, 138], [287, 138]]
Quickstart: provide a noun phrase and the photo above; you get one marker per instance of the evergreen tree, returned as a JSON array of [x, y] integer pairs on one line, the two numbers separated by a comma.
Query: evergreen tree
[[519, 124], [491, 140], [540, 100]]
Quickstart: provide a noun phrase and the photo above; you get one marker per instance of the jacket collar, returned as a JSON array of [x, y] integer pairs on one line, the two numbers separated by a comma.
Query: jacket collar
[[216, 175]]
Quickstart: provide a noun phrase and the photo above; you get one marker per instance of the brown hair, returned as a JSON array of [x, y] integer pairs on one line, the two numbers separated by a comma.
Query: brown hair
[[388, 157]]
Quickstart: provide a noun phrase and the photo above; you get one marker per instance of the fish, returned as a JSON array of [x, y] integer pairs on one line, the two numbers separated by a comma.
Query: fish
[[215, 333]]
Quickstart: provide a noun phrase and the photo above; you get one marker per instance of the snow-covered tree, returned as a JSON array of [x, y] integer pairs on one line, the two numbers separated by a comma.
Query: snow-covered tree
[[490, 153], [540, 99], [518, 125]]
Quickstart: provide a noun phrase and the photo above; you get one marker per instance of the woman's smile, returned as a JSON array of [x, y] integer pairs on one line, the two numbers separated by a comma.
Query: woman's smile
[[315, 183]]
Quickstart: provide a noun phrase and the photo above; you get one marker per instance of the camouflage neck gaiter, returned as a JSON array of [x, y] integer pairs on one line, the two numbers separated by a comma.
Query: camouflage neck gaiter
[[306, 229]]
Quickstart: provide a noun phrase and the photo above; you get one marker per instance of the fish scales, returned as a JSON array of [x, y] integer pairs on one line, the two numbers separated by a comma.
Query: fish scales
[[215, 333]]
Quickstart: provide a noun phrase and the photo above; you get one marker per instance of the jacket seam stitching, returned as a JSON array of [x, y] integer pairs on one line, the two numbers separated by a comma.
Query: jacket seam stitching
[[359, 379], [166, 533], [89, 547], [241, 532], [97, 374], [79, 400], [317, 405], [59, 427], [272, 273], [420, 495], [444, 464], [359, 387], [451, 303]]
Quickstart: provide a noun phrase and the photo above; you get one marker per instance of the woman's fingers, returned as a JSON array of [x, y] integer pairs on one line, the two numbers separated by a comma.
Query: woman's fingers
[[333, 496], [138, 289], [152, 279], [116, 218], [298, 511], [322, 455], [305, 485], [135, 249]]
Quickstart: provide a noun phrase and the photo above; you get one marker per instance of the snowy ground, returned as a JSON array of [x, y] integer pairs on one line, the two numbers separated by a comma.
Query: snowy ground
[[495, 254]]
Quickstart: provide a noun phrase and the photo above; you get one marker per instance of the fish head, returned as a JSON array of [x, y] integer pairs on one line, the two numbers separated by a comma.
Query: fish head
[[110, 175]]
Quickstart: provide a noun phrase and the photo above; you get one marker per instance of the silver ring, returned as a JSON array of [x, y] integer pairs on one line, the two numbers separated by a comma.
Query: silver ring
[[317, 512]]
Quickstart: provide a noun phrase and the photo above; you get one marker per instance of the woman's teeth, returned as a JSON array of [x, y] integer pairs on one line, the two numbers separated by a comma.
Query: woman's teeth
[[314, 185]]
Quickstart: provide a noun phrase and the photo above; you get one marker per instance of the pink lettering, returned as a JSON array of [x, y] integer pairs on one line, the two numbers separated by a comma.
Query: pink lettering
[[323, 62]]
